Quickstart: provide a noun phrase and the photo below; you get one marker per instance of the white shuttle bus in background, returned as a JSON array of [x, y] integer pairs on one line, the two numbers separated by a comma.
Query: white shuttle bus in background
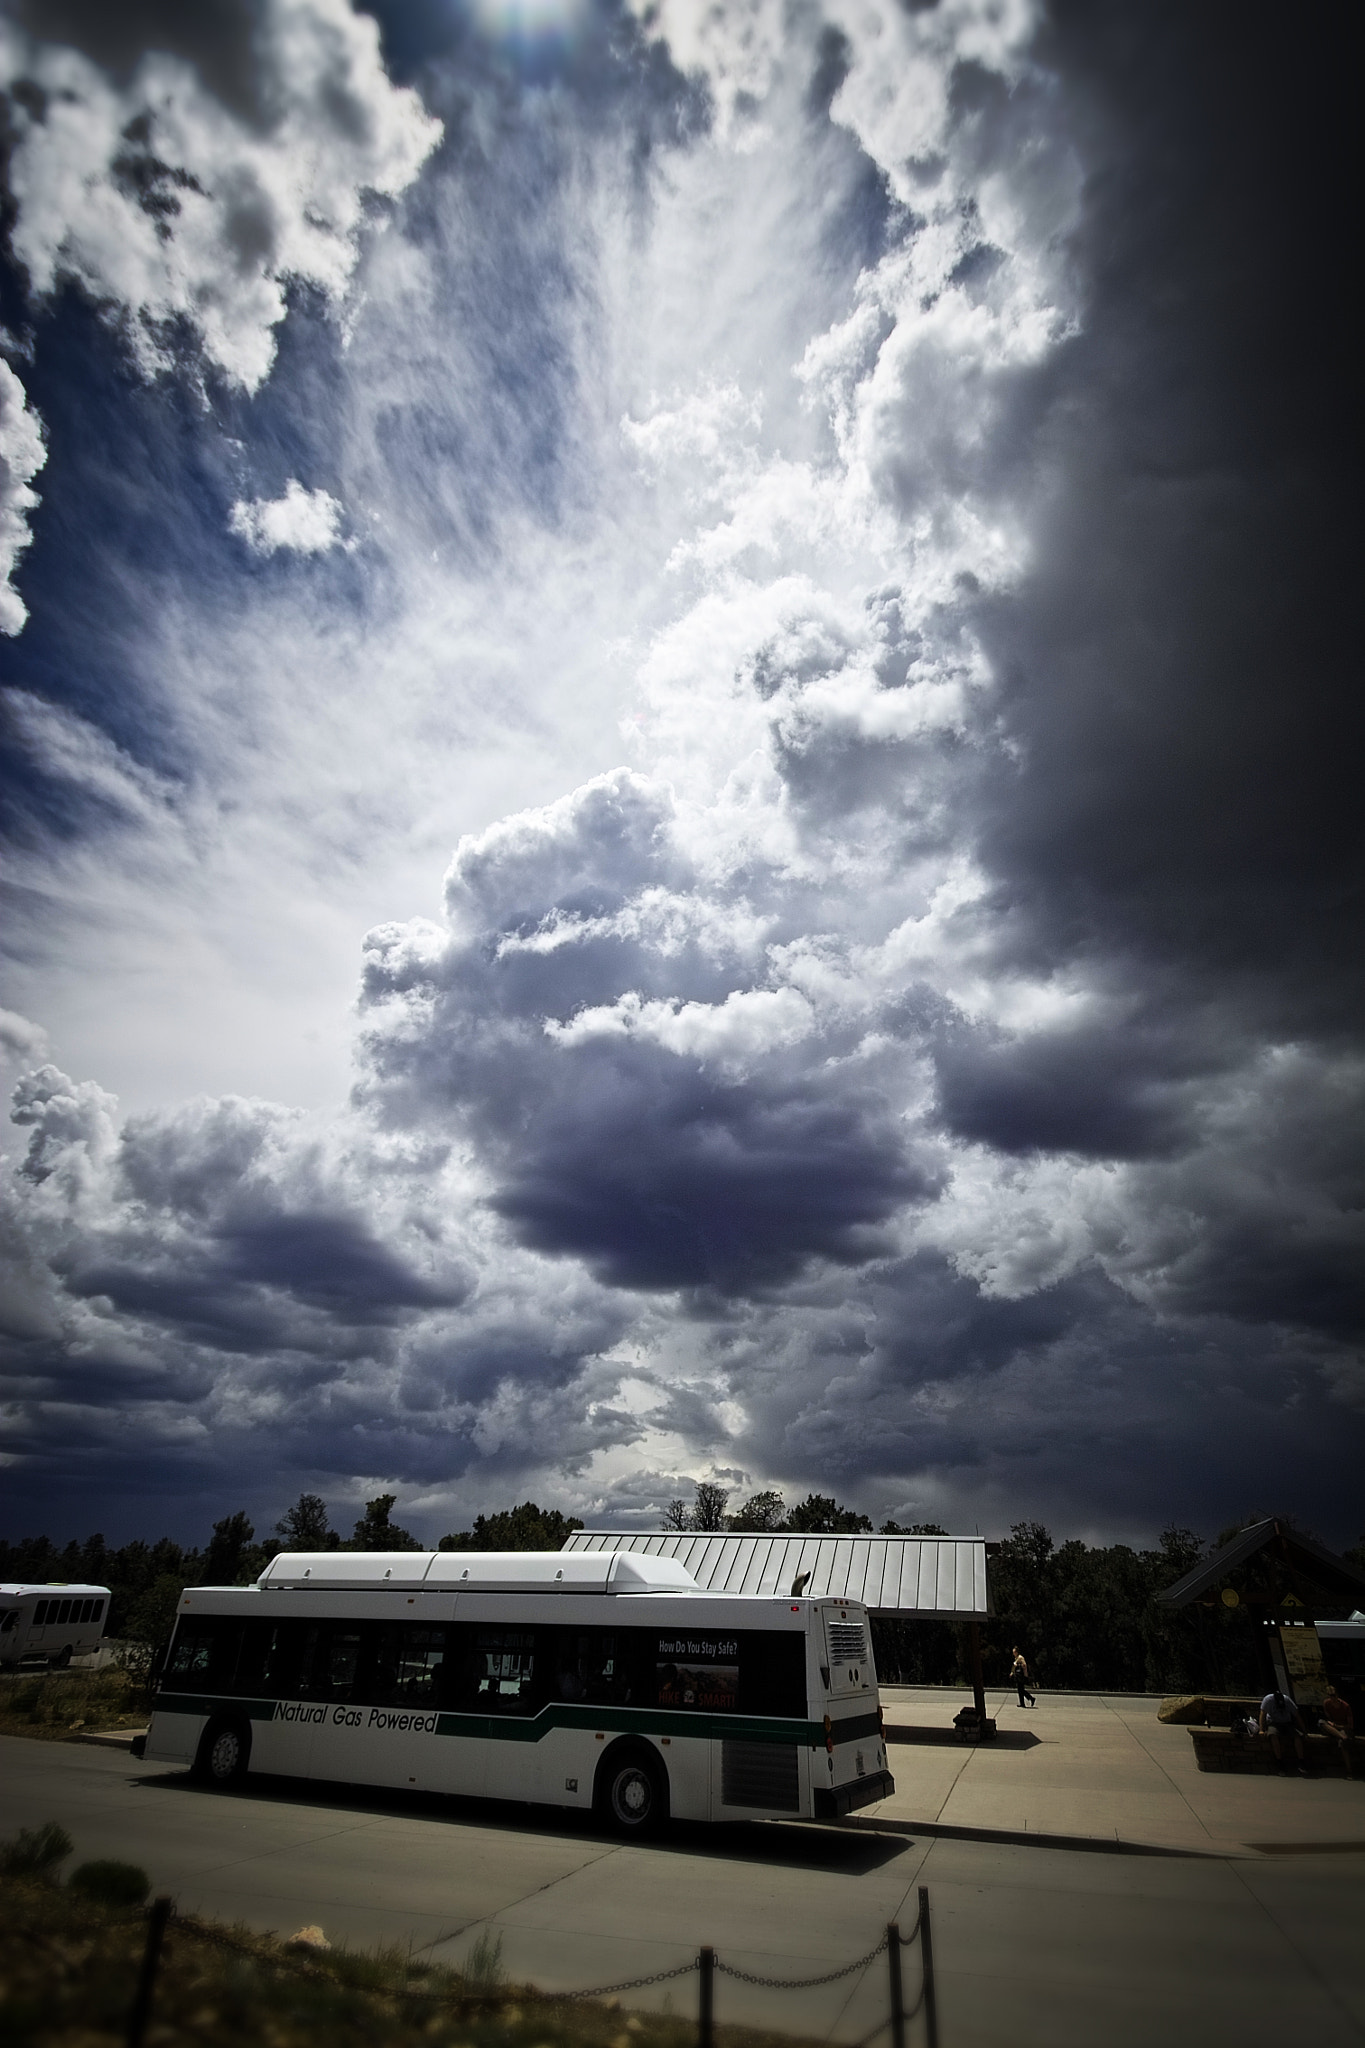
[[50, 1624], [592, 1679]]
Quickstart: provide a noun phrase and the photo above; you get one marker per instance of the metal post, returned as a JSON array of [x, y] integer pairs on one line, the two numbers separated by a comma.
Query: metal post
[[978, 1677], [151, 1956], [926, 1950], [706, 2029], [893, 1962]]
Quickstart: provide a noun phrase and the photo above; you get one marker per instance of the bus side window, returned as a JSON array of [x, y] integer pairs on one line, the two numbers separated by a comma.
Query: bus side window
[[331, 1666], [597, 1666], [203, 1652], [8, 1621], [409, 1667], [268, 1661], [498, 1671], [40, 1614]]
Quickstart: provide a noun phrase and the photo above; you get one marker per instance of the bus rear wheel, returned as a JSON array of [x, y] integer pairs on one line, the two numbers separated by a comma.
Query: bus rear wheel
[[223, 1753], [632, 1792]]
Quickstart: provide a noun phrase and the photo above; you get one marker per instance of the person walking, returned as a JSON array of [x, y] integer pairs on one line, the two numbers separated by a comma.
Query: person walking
[[1019, 1673]]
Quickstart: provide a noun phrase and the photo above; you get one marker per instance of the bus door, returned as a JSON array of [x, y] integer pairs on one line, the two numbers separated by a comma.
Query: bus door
[[267, 1682], [498, 1684], [195, 1683], [588, 1668], [383, 1709], [327, 1710]]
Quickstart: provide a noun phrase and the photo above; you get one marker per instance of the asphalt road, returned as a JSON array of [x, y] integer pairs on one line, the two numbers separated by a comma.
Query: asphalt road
[[1033, 1945]]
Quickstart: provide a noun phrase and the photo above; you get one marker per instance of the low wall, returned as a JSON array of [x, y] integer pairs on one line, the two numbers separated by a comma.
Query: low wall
[[1217, 1749]]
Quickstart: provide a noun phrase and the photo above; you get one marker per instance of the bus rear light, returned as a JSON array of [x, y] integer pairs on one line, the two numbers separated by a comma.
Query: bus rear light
[[829, 1735]]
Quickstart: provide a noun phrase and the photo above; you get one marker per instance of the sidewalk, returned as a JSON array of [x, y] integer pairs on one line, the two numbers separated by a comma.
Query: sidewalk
[[1097, 1769]]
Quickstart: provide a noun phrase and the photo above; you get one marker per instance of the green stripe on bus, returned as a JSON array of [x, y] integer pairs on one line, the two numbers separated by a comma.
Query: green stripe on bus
[[561, 1715], [534, 1728], [210, 1703], [629, 1721]]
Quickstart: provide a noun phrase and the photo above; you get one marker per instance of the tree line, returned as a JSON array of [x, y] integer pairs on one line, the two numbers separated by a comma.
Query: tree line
[[145, 1580], [1085, 1615]]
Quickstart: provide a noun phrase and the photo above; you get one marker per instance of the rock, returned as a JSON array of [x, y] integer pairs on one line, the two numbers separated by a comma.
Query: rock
[[1183, 1709], [308, 1937]]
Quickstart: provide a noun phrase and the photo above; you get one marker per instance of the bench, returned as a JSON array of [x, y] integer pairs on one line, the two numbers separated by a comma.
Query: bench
[[1218, 1749]]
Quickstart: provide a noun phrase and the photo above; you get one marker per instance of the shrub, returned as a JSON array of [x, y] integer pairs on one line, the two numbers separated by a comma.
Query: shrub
[[51, 1702], [482, 1967], [110, 1883], [35, 1852]]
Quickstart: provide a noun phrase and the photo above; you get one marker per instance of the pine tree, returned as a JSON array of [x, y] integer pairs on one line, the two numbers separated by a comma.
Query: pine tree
[[374, 1530]]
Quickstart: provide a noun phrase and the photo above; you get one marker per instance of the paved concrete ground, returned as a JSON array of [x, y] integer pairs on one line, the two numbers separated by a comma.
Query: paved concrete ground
[[1037, 1947], [1080, 1765]]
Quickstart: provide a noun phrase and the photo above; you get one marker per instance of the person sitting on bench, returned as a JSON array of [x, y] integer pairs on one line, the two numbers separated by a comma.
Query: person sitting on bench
[[1279, 1719], [1337, 1722]]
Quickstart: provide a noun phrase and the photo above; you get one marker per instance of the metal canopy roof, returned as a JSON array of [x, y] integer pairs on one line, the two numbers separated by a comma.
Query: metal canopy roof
[[942, 1578], [1289, 1563]]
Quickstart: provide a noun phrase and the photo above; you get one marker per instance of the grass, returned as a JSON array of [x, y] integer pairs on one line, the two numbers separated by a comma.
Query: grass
[[69, 1967], [53, 1705]]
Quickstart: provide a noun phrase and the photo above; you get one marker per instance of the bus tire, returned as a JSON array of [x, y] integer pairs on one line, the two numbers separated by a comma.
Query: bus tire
[[631, 1791], [62, 1660], [224, 1753]]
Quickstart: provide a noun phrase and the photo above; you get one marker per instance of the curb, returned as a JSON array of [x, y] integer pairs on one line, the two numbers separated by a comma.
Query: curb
[[1015, 1838]]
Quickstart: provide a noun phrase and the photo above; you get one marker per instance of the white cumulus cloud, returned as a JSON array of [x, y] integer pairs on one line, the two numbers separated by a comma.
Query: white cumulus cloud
[[308, 522], [22, 455], [174, 207]]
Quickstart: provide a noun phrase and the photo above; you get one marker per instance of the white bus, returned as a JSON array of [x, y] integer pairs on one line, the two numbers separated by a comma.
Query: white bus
[[50, 1624], [591, 1679]]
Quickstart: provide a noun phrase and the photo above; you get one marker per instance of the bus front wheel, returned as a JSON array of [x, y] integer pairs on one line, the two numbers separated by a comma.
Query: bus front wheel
[[223, 1753], [632, 1791]]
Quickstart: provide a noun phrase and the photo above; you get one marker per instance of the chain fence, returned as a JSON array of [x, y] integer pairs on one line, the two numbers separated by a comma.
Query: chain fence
[[705, 1964], [803, 1983]]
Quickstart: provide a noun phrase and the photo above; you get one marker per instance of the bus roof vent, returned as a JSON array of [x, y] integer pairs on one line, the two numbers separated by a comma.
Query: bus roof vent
[[636, 1572], [345, 1571], [493, 1571], [519, 1571]]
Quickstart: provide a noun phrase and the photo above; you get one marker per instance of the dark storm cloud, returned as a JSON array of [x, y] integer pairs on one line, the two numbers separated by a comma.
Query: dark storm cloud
[[645, 1158], [952, 1030], [1073, 1405], [220, 1270], [1106, 1090], [1178, 666], [216, 36], [660, 1178]]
